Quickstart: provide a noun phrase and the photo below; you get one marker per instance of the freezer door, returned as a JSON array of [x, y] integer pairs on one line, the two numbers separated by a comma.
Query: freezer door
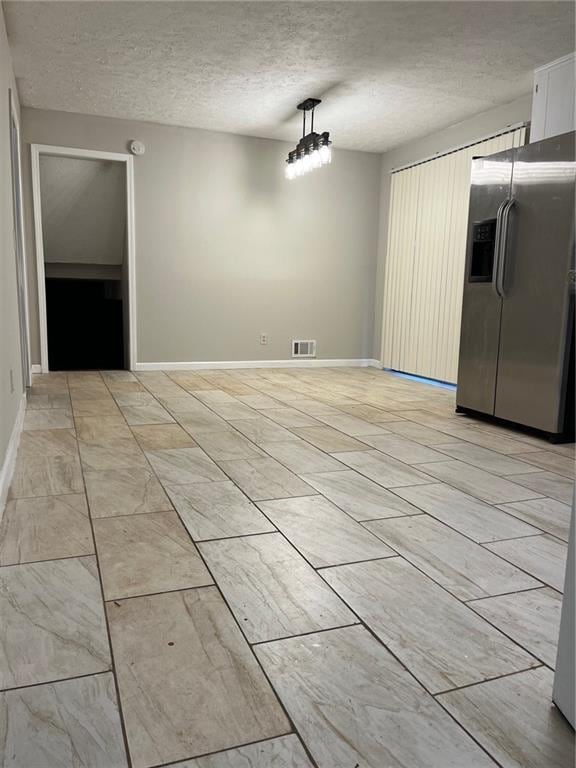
[[481, 306], [535, 284]]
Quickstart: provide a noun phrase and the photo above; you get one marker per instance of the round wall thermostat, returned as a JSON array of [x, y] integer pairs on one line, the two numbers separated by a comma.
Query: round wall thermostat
[[137, 148]]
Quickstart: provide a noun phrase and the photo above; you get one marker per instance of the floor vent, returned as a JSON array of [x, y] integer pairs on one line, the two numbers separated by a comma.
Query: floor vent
[[302, 348]]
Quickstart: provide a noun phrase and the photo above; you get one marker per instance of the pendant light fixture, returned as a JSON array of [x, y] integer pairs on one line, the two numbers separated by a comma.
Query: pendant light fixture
[[313, 150]]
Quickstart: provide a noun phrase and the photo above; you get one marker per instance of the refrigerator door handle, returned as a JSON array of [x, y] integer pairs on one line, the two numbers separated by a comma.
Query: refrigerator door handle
[[501, 266], [497, 240]]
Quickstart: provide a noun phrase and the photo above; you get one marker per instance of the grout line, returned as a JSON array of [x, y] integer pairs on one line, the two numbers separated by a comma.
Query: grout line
[[305, 634], [57, 680], [489, 680]]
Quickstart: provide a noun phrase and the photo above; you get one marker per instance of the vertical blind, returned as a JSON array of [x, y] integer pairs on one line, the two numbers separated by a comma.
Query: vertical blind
[[425, 258]]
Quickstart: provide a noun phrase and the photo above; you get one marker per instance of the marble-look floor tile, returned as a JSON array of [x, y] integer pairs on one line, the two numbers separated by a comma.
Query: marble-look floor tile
[[300, 457], [542, 556], [227, 446], [202, 423], [368, 413], [123, 452], [137, 415], [63, 724], [417, 432], [234, 411], [188, 681], [350, 425], [467, 514], [102, 429], [546, 484], [41, 402], [271, 589], [52, 622], [530, 618], [484, 458], [259, 401], [440, 640], [290, 417], [550, 460], [360, 497], [403, 449], [45, 528], [50, 418], [156, 437], [42, 444], [459, 565], [285, 752], [515, 721], [329, 440], [148, 553], [181, 466], [355, 705], [383, 469], [99, 406], [217, 510], [128, 491], [549, 515], [262, 479], [478, 482], [215, 397], [135, 398], [187, 405], [46, 476], [322, 533], [262, 430]]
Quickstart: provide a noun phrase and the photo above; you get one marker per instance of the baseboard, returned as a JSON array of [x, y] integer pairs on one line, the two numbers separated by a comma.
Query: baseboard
[[291, 363], [10, 458], [36, 369]]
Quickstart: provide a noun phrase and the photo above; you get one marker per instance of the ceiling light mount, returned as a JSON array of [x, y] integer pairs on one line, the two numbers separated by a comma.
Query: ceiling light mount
[[313, 150]]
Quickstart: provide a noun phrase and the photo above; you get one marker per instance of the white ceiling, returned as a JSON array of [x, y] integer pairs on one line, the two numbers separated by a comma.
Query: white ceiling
[[388, 71]]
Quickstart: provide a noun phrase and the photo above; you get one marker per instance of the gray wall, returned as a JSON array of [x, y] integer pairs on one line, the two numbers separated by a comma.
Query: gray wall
[[9, 334], [83, 210], [456, 135], [227, 249]]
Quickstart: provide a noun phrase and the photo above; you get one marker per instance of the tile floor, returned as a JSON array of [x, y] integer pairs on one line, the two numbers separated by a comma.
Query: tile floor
[[278, 569]]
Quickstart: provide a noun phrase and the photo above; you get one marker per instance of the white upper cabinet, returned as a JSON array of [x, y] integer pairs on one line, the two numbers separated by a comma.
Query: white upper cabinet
[[553, 99]]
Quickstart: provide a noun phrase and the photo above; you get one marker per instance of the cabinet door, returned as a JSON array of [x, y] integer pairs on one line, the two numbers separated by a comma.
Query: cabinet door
[[553, 99]]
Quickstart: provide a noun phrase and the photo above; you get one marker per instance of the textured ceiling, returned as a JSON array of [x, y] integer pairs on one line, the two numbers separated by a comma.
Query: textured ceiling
[[388, 71]]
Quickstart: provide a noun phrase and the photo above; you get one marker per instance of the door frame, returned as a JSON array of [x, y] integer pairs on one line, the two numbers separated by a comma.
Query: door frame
[[88, 154], [18, 221]]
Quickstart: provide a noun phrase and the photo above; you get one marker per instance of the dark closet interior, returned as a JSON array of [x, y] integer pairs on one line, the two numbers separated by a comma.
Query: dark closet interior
[[85, 326], [84, 240]]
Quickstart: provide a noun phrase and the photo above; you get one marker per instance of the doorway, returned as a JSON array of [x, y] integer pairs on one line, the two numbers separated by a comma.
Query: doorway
[[83, 218], [18, 223]]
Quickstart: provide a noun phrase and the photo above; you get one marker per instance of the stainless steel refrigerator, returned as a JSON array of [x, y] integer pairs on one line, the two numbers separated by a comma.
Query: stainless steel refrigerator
[[517, 335]]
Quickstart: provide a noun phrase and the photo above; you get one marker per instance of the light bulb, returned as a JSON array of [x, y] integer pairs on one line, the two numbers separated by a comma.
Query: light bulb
[[306, 163], [315, 159], [289, 171], [298, 167], [325, 154]]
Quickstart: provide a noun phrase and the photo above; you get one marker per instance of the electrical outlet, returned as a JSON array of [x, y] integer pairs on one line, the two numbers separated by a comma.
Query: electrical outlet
[[263, 338], [11, 381]]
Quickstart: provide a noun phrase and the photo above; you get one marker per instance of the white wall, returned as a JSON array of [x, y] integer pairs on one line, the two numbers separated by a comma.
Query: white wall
[[465, 132], [83, 210], [227, 249], [10, 366]]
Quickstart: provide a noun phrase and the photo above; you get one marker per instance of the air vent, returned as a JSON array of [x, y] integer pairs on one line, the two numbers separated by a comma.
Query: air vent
[[301, 348]]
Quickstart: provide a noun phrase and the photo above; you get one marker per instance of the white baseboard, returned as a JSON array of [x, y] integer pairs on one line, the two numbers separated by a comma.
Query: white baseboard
[[10, 457], [36, 369], [291, 363]]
